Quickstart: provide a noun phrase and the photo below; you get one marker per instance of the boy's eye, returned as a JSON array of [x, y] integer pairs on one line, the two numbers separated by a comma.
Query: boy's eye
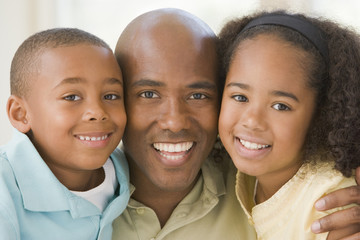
[[281, 107], [111, 97], [72, 98], [148, 94], [197, 96], [240, 98]]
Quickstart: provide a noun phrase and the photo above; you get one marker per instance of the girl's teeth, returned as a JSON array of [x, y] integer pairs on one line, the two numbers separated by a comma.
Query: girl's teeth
[[252, 146]]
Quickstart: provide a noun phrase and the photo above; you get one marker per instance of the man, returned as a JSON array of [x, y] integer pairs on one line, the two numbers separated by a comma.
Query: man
[[172, 100]]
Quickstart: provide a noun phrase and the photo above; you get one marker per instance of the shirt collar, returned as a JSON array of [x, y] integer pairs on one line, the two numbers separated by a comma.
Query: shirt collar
[[40, 189], [214, 179]]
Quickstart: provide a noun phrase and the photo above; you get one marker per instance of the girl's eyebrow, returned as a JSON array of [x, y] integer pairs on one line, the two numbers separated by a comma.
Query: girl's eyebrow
[[284, 94], [275, 92], [239, 85]]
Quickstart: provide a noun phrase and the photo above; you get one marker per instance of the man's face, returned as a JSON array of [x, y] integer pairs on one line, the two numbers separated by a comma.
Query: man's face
[[172, 107]]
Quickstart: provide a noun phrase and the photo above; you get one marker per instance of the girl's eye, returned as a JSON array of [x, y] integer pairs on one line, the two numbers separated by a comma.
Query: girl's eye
[[240, 98], [72, 98], [148, 94], [111, 97], [281, 107], [197, 96]]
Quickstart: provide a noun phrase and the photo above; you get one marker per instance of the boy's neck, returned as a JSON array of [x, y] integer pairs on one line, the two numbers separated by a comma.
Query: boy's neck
[[81, 180]]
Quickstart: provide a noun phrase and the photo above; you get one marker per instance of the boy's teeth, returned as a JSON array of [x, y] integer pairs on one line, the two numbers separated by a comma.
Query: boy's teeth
[[87, 138], [252, 146], [170, 147]]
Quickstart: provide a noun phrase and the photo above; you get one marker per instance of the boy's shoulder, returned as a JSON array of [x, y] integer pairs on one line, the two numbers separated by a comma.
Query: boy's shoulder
[[8, 191], [120, 163]]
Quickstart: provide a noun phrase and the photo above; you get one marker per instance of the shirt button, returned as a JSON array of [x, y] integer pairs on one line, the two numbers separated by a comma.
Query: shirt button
[[140, 211], [181, 215]]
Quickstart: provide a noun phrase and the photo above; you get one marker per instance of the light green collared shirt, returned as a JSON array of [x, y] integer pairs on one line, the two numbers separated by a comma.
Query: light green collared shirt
[[35, 205], [209, 211]]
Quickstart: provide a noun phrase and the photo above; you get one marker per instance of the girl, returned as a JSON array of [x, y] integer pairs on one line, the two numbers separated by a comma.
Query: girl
[[290, 115]]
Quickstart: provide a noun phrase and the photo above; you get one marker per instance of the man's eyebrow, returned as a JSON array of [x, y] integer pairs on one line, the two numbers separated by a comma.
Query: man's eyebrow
[[284, 94], [203, 85], [147, 83], [239, 85]]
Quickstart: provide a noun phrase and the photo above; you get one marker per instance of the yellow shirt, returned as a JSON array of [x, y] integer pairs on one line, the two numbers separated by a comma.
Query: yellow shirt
[[289, 213], [210, 211]]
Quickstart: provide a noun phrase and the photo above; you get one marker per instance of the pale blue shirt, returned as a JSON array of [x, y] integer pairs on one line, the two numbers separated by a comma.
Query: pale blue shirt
[[35, 205]]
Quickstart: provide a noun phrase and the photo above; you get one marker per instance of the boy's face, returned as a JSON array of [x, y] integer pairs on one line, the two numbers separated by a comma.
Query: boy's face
[[266, 109], [75, 107]]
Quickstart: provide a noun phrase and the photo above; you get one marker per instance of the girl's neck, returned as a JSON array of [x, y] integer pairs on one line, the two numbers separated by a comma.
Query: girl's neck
[[270, 183]]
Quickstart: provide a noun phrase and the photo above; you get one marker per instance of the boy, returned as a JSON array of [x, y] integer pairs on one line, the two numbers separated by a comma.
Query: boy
[[57, 180]]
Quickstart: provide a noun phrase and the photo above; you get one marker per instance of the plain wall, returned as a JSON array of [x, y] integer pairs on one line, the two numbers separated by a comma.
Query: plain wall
[[107, 18]]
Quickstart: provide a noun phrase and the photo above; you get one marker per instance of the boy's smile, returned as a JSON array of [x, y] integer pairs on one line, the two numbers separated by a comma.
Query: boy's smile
[[75, 108]]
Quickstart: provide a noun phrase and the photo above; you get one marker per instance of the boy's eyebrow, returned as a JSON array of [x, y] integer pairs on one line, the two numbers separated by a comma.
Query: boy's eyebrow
[[284, 94], [114, 81], [79, 80], [147, 83]]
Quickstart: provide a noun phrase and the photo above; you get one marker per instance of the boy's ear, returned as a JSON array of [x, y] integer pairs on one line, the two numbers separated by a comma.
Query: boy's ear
[[17, 113]]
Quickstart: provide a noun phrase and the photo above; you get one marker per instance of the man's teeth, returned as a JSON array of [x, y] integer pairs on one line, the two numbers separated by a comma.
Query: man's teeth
[[87, 138], [170, 147], [252, 146], [171, 157]]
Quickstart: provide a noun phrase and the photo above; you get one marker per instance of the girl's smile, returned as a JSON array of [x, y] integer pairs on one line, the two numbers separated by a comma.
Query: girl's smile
[[266, 109]]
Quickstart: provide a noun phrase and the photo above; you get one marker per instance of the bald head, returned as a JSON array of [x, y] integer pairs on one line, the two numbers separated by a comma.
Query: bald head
[[168, 21], [171, 31]]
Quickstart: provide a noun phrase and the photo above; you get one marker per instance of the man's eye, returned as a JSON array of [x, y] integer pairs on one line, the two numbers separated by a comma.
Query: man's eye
[[281, 107], [111, 97], [148, 94], [197, 96], [240, 98], [72, 98]]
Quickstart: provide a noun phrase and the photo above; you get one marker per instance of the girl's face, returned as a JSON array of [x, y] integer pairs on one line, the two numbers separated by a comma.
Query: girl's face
[[266, 108]]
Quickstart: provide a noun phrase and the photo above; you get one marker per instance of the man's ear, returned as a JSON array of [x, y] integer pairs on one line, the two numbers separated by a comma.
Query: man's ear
[[17, 113]]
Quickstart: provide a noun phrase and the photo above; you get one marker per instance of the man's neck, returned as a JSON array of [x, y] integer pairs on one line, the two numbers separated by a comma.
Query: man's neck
[[163, 202]]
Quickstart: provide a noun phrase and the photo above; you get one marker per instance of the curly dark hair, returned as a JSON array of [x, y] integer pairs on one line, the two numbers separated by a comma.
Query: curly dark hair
[[335, 128]]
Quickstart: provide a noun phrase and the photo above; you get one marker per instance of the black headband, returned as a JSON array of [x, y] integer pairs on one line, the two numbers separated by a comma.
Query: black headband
[[301, 25]]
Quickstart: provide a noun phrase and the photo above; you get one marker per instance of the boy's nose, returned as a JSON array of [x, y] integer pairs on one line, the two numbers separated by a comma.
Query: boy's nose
[[95, 112]]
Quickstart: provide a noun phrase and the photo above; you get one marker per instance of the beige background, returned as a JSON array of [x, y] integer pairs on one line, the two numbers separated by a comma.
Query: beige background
[[107, 18]]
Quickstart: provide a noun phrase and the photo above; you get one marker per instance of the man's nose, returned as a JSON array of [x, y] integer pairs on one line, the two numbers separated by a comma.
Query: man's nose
[[175, 116]]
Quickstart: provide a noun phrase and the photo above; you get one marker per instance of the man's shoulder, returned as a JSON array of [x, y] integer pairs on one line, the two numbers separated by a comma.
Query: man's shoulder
[[220, 160]]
